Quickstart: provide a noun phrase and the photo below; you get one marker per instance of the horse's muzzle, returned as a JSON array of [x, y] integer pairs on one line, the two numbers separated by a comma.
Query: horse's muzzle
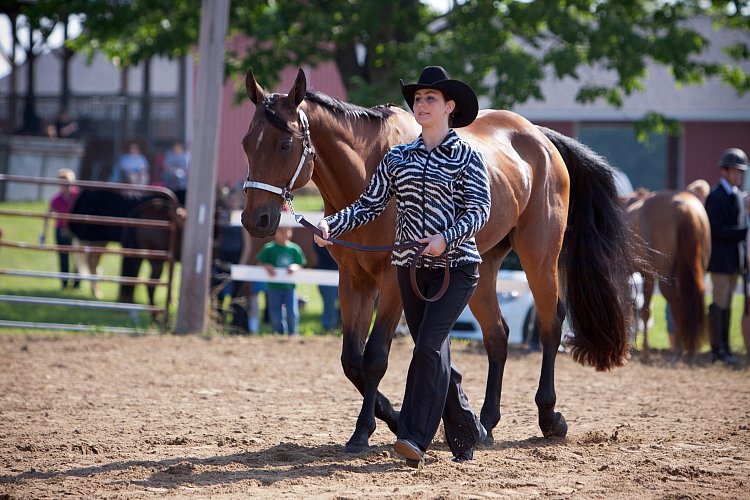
[[262, 222]]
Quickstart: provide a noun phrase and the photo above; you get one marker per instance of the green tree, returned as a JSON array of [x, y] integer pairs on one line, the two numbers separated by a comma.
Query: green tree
[[516, 42], [504, 48]]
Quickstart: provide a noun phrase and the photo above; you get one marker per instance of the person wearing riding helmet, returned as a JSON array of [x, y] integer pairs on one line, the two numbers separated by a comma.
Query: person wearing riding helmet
[[442, 197], [726, 214]]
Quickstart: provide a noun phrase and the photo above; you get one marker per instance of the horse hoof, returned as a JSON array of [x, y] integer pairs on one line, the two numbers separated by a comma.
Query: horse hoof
[[356, 447], [559, 427], [489, 441]]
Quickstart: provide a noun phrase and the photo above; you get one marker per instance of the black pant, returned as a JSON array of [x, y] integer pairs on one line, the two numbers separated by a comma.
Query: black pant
[[433, 384], [62, 237]]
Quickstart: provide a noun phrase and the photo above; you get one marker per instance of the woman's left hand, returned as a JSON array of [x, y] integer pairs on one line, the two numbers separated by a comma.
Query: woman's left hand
[[436, 245]]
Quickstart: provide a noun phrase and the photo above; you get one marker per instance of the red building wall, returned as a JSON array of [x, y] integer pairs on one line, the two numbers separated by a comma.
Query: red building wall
[[235, 118], [703, 143]]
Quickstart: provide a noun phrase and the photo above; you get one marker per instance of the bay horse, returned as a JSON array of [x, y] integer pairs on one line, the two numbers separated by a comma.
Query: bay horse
[[303, 135], [673, 248]]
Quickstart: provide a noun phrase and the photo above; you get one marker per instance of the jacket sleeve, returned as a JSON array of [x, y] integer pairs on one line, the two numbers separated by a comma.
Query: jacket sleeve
[[370, 204], [473, 204]]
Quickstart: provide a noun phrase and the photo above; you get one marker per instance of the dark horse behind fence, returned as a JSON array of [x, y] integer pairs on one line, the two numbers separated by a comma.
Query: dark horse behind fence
[[126, 205], [674, 247], [550, 194]]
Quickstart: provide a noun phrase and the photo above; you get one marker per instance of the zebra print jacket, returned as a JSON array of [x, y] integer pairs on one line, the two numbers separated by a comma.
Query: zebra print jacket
[[444, 191]]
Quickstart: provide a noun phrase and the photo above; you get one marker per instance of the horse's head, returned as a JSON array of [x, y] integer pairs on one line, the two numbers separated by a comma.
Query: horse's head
[[279, 154]]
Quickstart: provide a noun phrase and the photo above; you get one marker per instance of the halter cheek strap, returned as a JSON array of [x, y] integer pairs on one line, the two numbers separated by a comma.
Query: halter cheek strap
[[308, 149]]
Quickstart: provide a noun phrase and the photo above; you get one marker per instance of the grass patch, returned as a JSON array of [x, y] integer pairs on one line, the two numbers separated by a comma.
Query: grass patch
[[28, 229]]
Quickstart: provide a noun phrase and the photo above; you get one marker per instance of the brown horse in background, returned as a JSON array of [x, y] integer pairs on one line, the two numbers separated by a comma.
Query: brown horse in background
[[549, 194], [674, 246]]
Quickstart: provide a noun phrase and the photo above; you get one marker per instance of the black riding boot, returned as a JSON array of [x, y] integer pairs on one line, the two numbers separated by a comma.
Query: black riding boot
[[715, 328], [728, 356]]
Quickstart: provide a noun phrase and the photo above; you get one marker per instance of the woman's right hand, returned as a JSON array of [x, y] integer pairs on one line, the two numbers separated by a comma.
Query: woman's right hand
[[323, 242]]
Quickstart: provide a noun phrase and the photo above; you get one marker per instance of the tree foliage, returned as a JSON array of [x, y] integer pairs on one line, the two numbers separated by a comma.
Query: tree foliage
[[503, 48]]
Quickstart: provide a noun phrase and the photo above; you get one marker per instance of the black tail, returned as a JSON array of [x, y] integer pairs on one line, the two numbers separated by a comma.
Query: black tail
[[689, 267], [596, 258]]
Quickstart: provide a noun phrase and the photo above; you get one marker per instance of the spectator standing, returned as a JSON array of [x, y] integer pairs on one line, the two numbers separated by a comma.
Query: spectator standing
[[132, 167], [331, 317], [176, 162], [66, 126], [745, 324], [61, 203], [726, 214], [282, 253]]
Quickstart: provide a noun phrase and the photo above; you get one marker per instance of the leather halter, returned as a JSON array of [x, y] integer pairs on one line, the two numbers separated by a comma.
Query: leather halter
[[286, 194], [308, 149]]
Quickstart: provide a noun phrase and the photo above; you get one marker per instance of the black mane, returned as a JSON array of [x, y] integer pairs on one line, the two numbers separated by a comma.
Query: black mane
[[348, 110], [379, 112]]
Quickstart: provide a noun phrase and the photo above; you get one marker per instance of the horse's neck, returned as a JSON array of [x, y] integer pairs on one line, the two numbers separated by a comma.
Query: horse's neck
[[348, 152]]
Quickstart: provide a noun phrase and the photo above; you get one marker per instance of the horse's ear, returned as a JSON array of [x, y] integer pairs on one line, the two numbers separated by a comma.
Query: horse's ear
[[297, 94], [254, 91]]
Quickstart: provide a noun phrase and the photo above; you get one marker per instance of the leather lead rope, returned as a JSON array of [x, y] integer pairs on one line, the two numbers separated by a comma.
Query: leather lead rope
[[399, 246]]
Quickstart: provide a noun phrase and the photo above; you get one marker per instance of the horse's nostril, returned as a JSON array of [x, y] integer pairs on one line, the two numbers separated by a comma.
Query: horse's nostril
[[263, 222]]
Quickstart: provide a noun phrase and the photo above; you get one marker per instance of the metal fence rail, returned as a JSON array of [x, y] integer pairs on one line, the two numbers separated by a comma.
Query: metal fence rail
[[168, 256]]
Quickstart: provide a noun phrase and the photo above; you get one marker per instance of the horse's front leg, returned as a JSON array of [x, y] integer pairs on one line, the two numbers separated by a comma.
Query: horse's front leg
[[377, 350], [365, 363], [648, 290], [157, 266]]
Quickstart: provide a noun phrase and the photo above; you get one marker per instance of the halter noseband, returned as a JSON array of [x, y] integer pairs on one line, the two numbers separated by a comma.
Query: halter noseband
[[309, 149]]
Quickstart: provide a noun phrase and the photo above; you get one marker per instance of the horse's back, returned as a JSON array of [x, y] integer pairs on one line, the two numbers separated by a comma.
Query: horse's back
[[525, 171], [101, 203], [668, 221]]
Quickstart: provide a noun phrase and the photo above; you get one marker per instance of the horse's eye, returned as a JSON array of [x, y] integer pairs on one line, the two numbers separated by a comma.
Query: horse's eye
[[286, 145]]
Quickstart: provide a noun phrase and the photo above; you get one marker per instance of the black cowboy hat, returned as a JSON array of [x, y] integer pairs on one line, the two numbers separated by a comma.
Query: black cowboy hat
[[435, 77]]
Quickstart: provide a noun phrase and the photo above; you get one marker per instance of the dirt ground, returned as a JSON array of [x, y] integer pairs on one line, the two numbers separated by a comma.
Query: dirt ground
[[267, 417]]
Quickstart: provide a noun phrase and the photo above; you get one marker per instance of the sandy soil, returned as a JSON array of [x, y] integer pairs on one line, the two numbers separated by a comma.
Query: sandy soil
[[231, 417]]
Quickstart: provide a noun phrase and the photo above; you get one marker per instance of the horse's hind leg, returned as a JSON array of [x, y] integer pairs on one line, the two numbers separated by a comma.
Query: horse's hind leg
[[486, 310], [541, 271], [130, 268]]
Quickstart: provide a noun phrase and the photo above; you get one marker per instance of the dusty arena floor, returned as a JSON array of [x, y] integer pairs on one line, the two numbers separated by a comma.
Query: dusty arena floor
[[265, 417]]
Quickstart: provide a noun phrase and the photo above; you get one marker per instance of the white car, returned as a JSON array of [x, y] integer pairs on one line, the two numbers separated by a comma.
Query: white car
[[516, 304]]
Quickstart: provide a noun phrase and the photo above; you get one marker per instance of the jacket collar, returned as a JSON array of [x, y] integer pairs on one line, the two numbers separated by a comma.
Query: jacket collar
[[449, 142], [728, 188]]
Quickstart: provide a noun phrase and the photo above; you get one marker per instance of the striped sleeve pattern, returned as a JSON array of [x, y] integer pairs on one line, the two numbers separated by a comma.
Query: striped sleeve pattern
[[369, 205]]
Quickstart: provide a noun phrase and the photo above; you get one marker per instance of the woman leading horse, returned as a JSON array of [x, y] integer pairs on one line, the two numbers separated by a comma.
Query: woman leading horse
[[442, 198], [549, 193]]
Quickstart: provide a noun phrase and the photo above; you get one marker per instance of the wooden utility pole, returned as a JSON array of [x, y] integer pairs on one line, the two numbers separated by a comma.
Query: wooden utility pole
[[197, 238]]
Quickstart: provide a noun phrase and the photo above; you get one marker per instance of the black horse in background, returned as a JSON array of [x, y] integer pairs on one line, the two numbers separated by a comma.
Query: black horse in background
[[148, 206]]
